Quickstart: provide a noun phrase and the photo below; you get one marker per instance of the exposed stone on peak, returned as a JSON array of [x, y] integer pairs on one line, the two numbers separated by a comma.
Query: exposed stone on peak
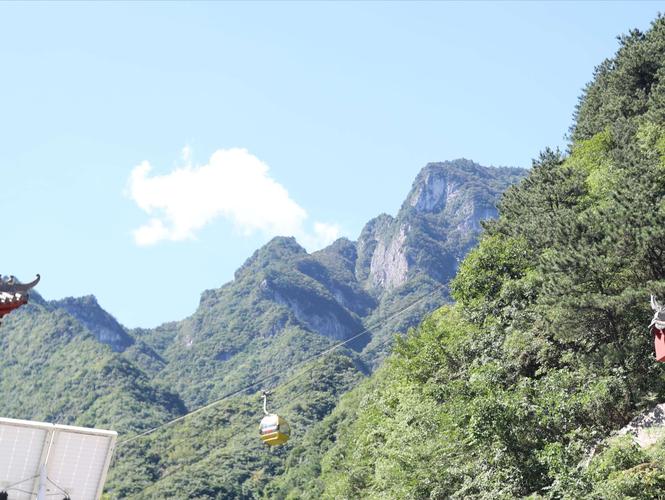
[[439, 186], [316, 312], [432, 189], [337, 276], [374, 230], [389, 266], [101, 324], [438, 222], [475, 216]]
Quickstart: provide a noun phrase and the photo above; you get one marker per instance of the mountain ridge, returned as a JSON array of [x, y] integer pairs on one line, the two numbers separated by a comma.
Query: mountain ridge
[[333, 293], [283, 307]]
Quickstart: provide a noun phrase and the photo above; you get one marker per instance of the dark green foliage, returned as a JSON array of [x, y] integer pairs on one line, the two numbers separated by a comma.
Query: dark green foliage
[[217, 453], [53, 369], [628, 86]]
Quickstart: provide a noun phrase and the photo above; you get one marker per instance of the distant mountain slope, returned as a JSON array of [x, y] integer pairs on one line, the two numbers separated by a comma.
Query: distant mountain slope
[[285, 304], [217, 453], [105, 327], [52, 368], [107, 330], [437, 224]]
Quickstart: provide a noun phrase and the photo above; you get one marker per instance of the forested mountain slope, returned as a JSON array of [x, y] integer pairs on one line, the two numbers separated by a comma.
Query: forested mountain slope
[[285, 304], [52, 368], [217, 453], [513, 391]]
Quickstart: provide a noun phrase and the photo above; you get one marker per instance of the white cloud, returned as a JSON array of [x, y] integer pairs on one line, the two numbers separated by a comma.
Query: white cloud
[[234, 185]]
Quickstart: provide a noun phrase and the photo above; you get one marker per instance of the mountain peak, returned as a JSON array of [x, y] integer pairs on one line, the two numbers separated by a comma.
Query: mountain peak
[[439, 184], [85, 300], [342, 247], [285, 243], [104, 327], [280, 248]]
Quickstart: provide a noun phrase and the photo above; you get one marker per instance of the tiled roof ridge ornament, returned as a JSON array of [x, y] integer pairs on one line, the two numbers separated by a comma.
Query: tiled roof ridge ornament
[[659, 314], [657, 328], [14, 294], [9, 284]]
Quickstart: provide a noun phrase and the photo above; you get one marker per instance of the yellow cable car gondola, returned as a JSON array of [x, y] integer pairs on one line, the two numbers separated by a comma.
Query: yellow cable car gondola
[[274, 430]]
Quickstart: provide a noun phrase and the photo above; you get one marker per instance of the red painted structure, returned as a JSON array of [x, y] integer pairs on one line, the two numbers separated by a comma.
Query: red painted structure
[[13, 294], [8, 304], [659, 341]]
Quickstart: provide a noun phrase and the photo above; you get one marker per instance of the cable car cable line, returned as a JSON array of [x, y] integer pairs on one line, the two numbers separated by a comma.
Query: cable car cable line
[[274, 374], [206, 452], [200, 456]]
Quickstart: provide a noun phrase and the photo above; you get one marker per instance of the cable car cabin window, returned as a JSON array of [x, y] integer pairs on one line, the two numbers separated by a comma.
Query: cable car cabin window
[[269, 423], [269, 428]]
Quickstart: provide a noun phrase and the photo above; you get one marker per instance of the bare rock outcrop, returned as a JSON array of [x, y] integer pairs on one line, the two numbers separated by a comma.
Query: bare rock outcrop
[[646, 428]]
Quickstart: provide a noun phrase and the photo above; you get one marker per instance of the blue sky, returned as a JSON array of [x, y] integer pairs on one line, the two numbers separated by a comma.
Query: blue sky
[[147, 150]]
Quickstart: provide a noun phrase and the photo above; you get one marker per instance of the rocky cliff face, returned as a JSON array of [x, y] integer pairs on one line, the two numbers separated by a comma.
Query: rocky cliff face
[[375, 231], [437, 224], [647, 428], [433, 190], [389, 266], [104, 327]]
